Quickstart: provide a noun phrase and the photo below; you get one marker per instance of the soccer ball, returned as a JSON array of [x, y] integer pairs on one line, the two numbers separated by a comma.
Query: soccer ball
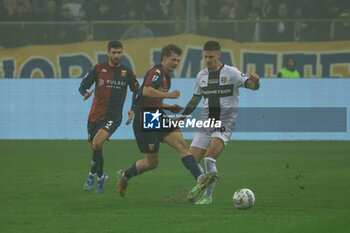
[[243, 199]]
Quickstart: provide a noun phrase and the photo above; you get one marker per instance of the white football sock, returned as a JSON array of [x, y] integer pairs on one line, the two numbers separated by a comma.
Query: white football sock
[[210, 166]]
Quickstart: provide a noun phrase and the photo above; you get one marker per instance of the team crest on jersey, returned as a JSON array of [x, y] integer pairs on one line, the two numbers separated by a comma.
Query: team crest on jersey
[[150, 147], [223, 80], [123, 73]]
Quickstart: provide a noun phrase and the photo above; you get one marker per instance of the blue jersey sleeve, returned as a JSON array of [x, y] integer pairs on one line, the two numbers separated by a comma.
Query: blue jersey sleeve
[[88, 80]]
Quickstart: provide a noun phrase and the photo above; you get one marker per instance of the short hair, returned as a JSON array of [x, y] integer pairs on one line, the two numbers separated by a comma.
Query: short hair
[[212, 45], [114, 44], [168, 49]]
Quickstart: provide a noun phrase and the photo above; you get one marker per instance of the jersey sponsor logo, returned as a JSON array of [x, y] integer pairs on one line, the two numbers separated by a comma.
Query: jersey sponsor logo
[[151, 119], [218, 91], [213, 81], [104, 70], [100, 82], [123, 73], [115, 84]]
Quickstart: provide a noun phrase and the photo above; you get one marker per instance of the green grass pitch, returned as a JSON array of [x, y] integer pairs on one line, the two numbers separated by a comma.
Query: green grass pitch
[[299, 187]]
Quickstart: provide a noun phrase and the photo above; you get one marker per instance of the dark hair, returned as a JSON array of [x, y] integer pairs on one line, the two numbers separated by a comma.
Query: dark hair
[[287, 58], [211, 46], [114, 44], [168, 49]]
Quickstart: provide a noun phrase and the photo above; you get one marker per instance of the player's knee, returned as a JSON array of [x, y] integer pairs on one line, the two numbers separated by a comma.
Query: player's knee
[[152, 164], [96, 145]]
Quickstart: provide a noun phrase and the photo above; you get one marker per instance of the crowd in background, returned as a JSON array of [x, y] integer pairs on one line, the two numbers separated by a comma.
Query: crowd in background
[[66, 21], [57, 10]]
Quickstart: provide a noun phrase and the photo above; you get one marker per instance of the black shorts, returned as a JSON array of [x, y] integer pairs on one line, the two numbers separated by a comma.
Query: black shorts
[[94, 126], [148, 140]]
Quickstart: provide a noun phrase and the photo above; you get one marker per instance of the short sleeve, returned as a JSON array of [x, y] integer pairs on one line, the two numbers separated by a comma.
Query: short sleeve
[[238, 78], [154, 78]]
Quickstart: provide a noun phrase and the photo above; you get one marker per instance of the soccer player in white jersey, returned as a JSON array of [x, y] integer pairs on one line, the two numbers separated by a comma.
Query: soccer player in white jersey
[[219, 84]]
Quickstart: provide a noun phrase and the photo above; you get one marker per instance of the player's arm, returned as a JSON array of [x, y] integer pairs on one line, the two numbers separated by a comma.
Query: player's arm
[[151, 92], [175, 108], [87, 82], [253, 82], [152, 82], [134, 87], [191, 105]]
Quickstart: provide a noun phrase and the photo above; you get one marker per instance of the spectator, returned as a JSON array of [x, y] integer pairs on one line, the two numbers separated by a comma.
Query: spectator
[[51, 12], [178, 13], [126, 6], [283, 30], [76, 8], [151, 10], [266, 10], [231, 9], [251, 30], [4, 14], [165, 8], [22, 11], [288, 71], [102, 10], [203, 14], [136, 30]]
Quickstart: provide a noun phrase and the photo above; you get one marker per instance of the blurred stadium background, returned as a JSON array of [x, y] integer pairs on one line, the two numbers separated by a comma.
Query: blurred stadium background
[[301, 185], [54, 43]]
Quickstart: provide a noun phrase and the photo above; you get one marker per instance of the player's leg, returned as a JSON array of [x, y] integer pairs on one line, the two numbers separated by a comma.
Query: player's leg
[[101, 136], [199, 146], [148, 163], [176, 140], [92, 130], [216, 146], [148, 144]]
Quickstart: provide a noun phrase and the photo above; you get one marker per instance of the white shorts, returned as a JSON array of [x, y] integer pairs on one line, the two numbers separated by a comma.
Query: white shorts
[[202, 138]]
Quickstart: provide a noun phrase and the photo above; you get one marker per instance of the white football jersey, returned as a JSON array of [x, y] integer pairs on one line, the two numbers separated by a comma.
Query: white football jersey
[[221, 94]]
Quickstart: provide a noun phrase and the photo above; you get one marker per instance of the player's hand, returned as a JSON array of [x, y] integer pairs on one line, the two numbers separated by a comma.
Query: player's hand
[[178, 119], [88, 94], [131, 115], [174, 95], [175, 108], [254, 77]]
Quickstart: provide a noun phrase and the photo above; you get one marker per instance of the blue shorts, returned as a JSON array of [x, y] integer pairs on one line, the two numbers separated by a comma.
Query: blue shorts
[[94, 126]]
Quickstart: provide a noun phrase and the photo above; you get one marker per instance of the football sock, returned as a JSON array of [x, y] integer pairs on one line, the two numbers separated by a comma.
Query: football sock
[[92, 174], [96, 154], [132, 171], [191, 164], [200, 168], [210, 166], [100, 166]]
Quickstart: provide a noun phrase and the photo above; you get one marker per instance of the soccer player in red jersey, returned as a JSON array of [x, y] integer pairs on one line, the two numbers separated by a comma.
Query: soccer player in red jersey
[[111, 80], [154, 89]]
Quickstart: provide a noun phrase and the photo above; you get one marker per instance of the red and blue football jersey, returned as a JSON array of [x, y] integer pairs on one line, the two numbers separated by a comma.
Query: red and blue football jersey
[[110, 90]]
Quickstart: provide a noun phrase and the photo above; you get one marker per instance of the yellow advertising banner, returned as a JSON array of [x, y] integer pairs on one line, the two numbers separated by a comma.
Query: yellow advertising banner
[[313, 59]]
